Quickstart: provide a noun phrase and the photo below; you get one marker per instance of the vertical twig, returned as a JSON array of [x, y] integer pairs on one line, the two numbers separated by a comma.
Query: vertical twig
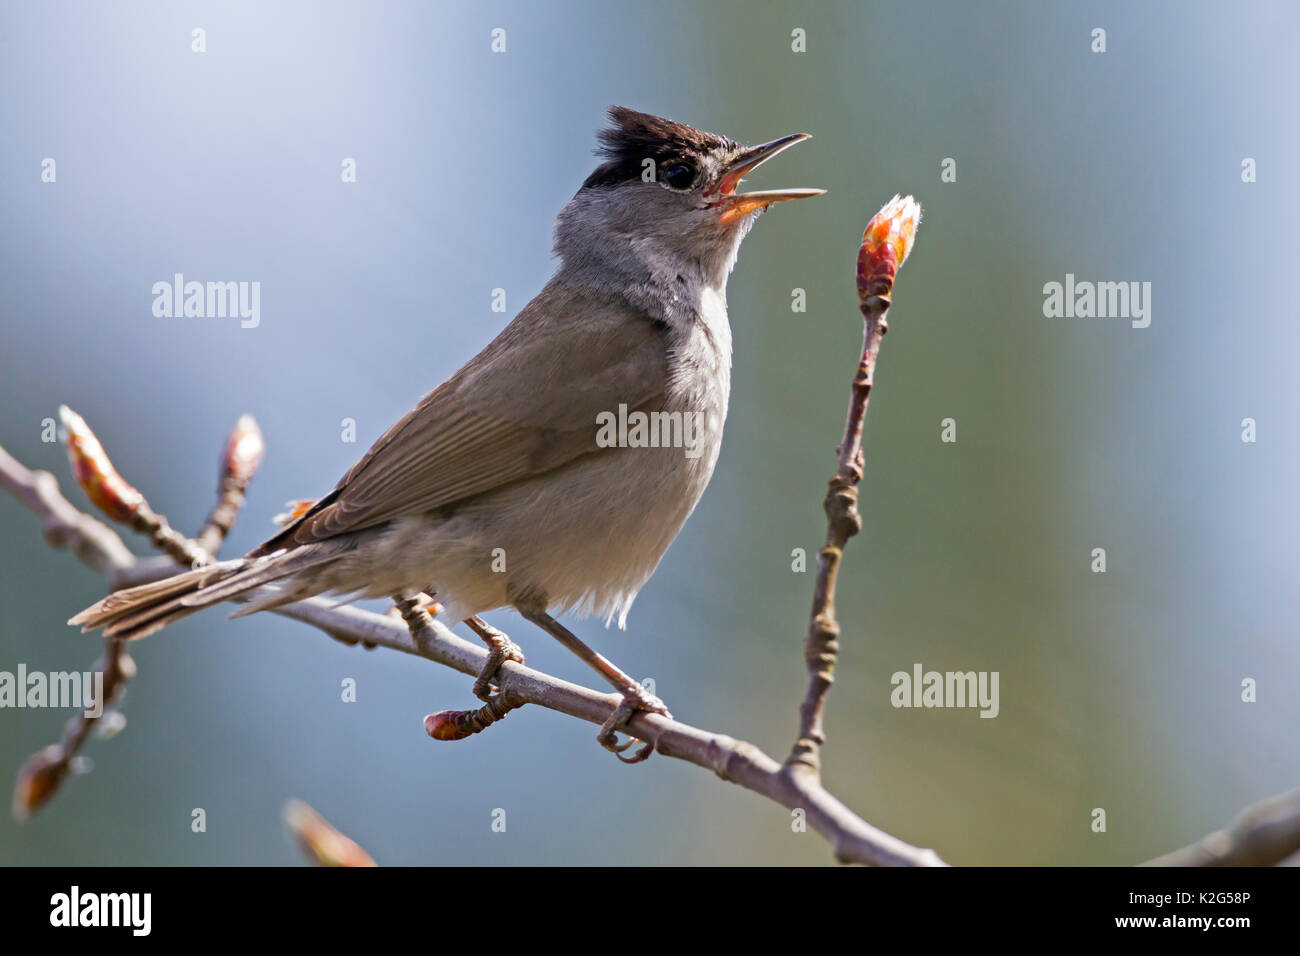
[[239, 462], [885, 244]]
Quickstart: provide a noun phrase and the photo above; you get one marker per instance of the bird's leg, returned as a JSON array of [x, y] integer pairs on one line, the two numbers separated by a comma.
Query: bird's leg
[[414, 607], [459, 724], [635, 697], [500, 650], [422, 599]]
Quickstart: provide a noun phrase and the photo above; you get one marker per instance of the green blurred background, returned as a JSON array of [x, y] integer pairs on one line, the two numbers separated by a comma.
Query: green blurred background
[[1118, 690]]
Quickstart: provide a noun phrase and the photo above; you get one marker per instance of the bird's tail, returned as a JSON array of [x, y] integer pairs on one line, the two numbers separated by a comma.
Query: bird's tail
[[137, 612]]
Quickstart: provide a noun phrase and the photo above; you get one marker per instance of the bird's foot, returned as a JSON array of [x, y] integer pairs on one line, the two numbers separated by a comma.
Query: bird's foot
[[403, 606], [459, 724], [500, 650], [635, 699]]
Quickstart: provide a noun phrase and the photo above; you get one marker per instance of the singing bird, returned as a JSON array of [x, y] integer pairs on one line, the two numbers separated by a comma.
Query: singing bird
[[499, 488]]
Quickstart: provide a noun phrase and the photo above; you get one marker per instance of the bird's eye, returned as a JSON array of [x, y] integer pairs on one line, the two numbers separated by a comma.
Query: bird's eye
[[679, 175]]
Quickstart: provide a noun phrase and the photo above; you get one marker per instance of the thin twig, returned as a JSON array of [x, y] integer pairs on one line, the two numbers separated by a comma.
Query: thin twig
[[64, 525], [44, 771], [239, 462], [100, 547], [885, 244], [116, 497]]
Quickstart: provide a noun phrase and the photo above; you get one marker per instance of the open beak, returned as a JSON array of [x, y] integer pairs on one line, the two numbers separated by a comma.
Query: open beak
[[733, 204]]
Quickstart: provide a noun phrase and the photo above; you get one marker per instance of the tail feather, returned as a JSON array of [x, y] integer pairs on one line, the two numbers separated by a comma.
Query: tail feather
[[120, 603], [258, 571], [137, 612]]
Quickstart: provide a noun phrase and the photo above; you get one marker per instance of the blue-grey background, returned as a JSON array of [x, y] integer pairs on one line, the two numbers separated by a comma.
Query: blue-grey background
[[1119, 691]]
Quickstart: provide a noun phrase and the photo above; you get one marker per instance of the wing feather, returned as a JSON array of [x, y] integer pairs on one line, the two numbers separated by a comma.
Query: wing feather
[[528, 403]]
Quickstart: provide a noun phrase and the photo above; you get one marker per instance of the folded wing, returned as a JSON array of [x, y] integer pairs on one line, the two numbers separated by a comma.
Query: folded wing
[[528, 403]]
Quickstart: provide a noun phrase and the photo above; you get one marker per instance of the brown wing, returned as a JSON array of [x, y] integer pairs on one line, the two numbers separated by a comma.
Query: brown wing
[[524, 405]]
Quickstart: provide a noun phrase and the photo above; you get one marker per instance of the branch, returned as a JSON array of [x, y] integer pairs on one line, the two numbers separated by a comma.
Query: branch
[[96, 544], [1264, 834], [796, 784], [885, 244], [852, 838], [99, 547], [44, 772]]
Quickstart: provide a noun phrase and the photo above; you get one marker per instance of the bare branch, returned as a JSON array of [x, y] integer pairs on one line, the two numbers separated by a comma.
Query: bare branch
[[44, 772], [65, 526], [852, 838], [1264, 834], [885, 244]]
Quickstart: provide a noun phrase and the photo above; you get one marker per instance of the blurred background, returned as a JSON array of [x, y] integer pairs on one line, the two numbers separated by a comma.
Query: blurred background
[[1119, 690]]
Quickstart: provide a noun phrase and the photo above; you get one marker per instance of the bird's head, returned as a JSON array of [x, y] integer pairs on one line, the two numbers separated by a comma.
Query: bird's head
[[667, 191]]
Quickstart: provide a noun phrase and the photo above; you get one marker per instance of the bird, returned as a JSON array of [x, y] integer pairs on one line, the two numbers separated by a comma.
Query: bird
[[509, 485]]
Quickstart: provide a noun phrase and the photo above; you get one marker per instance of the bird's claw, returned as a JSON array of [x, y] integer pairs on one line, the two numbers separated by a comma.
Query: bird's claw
[[500, 649], [498, 654], [635, 699]]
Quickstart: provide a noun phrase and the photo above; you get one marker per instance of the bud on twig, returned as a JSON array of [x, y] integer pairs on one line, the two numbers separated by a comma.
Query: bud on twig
[[245, 449], [322, 843], [459, 724], [886, 242], [116, 497], [43, 772], [94, 472], [38, 780], [240, 460]]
